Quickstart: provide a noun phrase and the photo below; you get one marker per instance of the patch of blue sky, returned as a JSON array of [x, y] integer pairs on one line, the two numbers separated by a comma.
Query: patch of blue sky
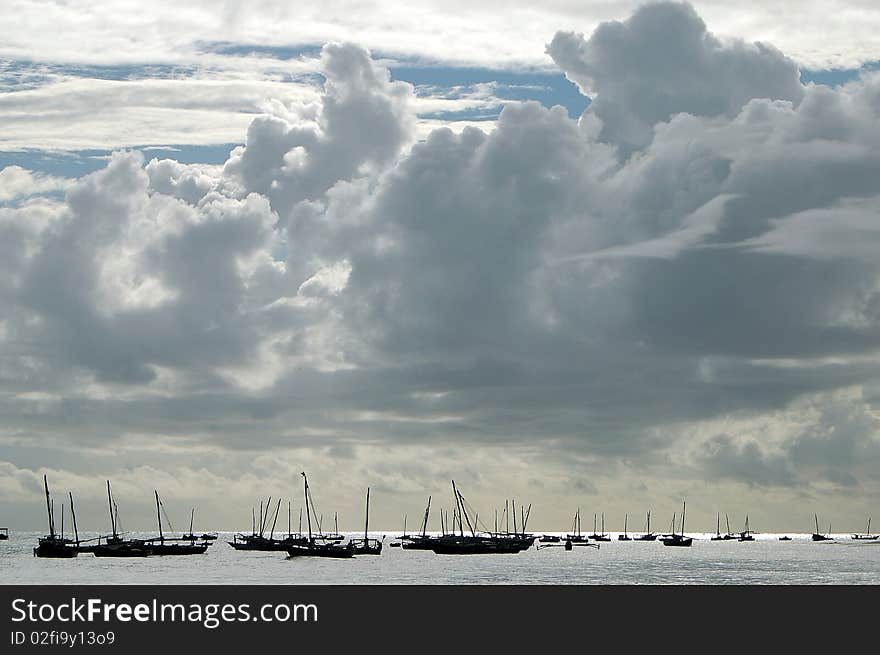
[[837, 77], [82, 162]]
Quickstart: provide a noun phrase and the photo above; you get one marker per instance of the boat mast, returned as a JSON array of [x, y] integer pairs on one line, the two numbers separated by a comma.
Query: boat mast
[[49, 508], [275, 520], [306, 494], [110, 503], [62, 522], [159, 517], [683, 506], [425, 522], [367, 519], [73, 513], [192, 516]]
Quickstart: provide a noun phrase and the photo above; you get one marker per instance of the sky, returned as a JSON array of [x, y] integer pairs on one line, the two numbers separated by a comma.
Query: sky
[[593, 255]]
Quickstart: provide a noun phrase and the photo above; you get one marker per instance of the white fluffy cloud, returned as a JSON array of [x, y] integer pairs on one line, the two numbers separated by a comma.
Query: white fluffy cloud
[[596, 301]]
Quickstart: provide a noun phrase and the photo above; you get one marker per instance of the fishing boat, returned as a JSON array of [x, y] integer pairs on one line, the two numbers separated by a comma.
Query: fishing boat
[[718, 536], [648, 536], [482, 543], [422, 540], [818, 536], [549, 539], [54, 545], [624, 536], [4, 534], [313, 547], [163, 545], [191, 536], [867, 536], [746, 534], [678, 539], [115, 545], [257, 539], [576, 537], [367, 546], [784, 538], [597, 536]]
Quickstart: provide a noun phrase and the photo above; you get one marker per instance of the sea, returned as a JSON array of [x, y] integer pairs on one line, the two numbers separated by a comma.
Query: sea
[[765, 561]]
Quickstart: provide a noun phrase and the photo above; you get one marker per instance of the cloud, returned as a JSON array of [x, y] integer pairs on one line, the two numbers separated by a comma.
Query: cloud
[[17, 182], [662, 61], [525, 305]]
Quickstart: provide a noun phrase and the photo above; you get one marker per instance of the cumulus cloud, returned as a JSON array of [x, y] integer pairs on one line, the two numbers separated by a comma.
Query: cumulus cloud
[[648, 294]]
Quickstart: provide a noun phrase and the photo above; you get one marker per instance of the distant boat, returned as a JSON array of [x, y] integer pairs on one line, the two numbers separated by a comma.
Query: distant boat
[[191, 536], [257, 539], [174, 546], [678, 539], [624, 536], [746, 534], [718, 536], [4, 534], [55, 545], [867, 536], [313, 547], [596, 536], [648, 536], [367, 546], [115, 545], [818, 536], [576, 537], [420, 541], [785, 538]]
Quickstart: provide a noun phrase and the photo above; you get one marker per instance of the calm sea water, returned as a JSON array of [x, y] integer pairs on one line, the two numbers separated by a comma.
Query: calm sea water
[[764, 561]]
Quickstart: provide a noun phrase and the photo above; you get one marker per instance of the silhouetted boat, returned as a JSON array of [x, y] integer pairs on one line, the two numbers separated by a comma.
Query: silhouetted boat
[[158, 546], [784, 538], [314, 548], [55, 545], [624, 536], [367, 546], [746, 534], [257, 540], [422, 540], [648, 536], [576, 537], [596, 536], [718, 536], [191, 536], [818, 536], [4, 534], [549, 539], [481, 544], [115, 545], [678, 539], [867, 536]]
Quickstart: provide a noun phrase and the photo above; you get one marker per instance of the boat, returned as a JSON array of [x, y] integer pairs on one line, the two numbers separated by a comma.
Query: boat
[[191, 536], [485, 543], [596, 536], [576, 537], [718, 536], [115, 545], [624, 536], [678, 539], [421, 540], [367, 546], [4, 534], [784, 538], [549, 539], [313, 547], [746, 534], [173, 546], [257, 540], [818, 536], [648, 536], [54, 545], [867, 536]]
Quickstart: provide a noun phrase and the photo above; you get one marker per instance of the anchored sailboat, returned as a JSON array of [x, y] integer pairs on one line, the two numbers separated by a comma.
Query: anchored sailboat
[[818, 536], [648, 536], [313, 547], [678, 539], [55, 545], [867, 536], [624, 536], [367, 546]]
